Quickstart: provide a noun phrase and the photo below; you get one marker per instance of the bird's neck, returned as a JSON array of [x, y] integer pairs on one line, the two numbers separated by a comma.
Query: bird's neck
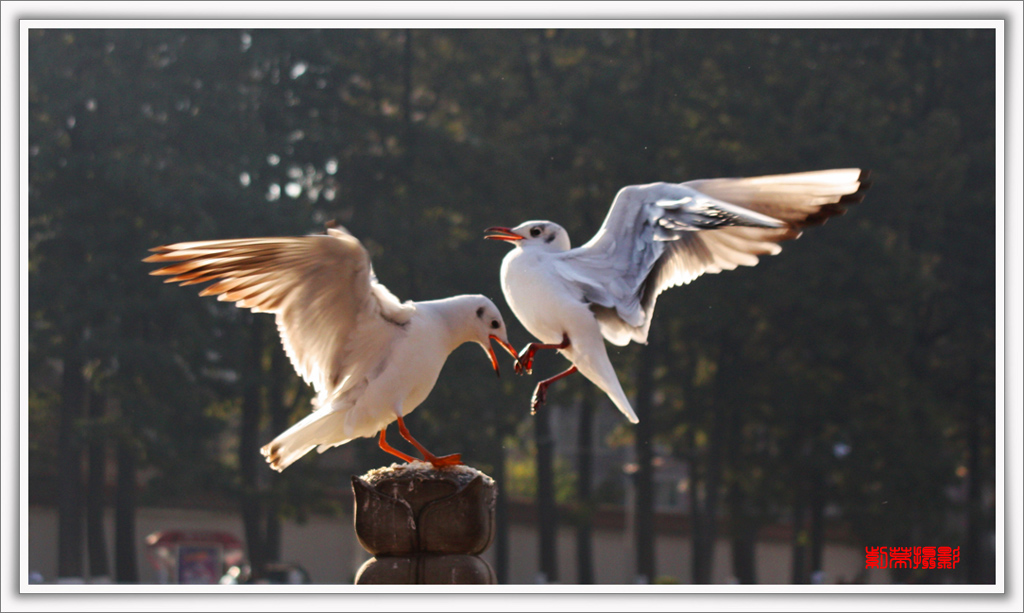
[[540, 249], [451, 316]]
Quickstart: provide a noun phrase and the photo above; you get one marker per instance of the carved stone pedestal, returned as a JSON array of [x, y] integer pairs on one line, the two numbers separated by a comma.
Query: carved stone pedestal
[[424, 525]]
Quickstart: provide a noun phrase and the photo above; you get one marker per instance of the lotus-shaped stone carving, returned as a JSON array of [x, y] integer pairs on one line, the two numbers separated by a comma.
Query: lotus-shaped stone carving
[[423, 524]]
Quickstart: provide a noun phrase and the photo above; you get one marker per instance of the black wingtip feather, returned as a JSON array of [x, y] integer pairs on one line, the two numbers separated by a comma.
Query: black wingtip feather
[[823, 214]]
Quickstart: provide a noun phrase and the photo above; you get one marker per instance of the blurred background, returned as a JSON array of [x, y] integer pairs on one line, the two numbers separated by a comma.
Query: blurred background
[[838, 396]]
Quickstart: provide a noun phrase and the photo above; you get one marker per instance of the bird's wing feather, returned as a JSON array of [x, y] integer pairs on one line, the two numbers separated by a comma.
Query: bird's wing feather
[[800, 199], [332, 313], [661, 235]]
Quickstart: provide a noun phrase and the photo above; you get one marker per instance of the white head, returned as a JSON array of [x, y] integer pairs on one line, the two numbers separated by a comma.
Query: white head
[[546, 235], [475, 319]]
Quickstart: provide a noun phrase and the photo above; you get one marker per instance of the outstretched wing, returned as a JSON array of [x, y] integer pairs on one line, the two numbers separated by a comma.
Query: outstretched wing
[[661, 235], [331, 312]]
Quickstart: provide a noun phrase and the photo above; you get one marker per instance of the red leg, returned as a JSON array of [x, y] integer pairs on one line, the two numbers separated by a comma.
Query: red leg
[[388, 448], [448, 460], [525, 360], [540, 394]]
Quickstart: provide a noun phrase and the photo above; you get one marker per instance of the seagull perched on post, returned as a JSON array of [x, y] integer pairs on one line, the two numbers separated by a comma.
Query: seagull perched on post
[[370, 358], [655, 237]]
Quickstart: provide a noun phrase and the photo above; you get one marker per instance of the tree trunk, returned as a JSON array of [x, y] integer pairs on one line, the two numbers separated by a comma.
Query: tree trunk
[[547, 512], [744, 538], [501, 545], [800, 538], [125, 559], [698, 535], [95, 493], [248, 449], [802, 480], [584, 490], [817, 535], [744, 554], [704, 546], [699, 542], [979, 567], [410, 234], [704, 511], [407, 65], [279, 411], [529, 80], [644, 516], [742, 527], [69, 469], [706, 520]]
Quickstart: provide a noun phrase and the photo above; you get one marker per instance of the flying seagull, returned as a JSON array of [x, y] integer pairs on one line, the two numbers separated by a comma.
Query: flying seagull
[[370, 358], [655, 237]]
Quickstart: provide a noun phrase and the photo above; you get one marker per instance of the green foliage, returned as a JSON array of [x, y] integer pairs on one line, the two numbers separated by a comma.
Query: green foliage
[[521, 470]]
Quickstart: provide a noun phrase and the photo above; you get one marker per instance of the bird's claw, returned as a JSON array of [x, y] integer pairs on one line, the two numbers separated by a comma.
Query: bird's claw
[[524, 362], [449, 460], [539, 398]]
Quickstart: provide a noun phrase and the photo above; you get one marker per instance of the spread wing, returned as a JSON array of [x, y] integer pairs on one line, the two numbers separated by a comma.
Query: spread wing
[[661, 235], [333, 316]]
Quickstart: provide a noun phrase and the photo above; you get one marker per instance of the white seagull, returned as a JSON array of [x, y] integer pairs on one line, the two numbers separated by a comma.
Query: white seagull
[[370, 358], [655, 237]]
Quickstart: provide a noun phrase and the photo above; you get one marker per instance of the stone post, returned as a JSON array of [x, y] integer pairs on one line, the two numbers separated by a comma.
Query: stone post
[[424, 525]]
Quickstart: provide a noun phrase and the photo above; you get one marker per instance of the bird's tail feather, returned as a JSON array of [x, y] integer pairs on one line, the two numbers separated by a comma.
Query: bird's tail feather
[[622, 403], [608, 382], [300, 439], [588, 353]]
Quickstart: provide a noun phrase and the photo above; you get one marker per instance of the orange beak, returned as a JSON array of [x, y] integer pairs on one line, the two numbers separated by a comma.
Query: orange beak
[[503, 234], [506, 346]]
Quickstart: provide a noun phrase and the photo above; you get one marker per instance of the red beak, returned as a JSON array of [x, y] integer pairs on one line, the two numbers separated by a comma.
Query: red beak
[[506, 346], [503, 234]]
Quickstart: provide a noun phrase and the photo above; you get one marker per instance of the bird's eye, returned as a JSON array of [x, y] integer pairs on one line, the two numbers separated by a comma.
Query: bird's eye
[[495, 324], [535, 231], [480, 312]]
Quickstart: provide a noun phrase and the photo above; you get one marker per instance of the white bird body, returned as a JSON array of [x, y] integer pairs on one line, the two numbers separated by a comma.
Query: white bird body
[[655, 236], [550, 307], [527, 282], [371, 359], [385, 387]]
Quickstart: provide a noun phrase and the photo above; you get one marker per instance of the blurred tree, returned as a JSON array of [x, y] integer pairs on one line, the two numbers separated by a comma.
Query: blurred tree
[[850, 379], [585, 488]]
